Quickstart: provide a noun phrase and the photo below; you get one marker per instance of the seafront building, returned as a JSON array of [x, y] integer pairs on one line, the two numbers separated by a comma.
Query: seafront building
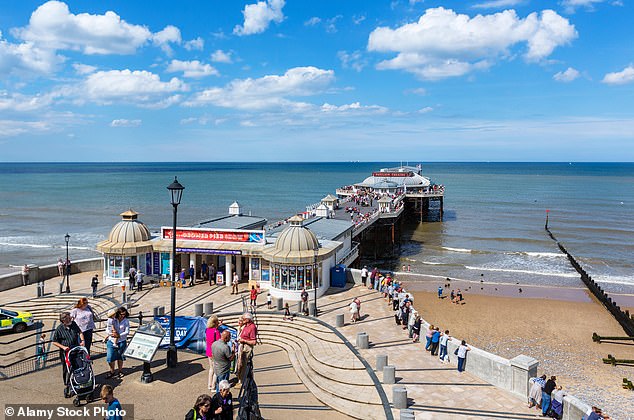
[[301, 252]]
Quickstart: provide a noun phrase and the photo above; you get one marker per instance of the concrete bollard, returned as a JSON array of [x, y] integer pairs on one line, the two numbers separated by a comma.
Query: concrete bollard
[[161, 310], [312, 309], [363, 340], [339, 320], [155, 311], [399, 397], [389, 374], [209, 308], [381, 362], [198, 309], [298, 307], [407, 414], [280, 304]]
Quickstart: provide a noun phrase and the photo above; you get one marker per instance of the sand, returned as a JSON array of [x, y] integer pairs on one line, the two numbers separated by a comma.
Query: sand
[[553, 325]]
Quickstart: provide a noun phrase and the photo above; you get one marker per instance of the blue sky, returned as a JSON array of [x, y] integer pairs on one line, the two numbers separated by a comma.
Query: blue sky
[[500, 80]]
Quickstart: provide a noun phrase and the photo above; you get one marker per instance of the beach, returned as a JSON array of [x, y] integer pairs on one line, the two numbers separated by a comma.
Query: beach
[[553, 325]]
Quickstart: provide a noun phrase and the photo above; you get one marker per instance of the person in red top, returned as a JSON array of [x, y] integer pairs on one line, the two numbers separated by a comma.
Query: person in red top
[[247, 340], [254, 297]]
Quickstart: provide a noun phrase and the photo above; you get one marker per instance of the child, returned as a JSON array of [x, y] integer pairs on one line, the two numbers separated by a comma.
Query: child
[[40, 351], [287, 313], [113, 405], [268, 300]]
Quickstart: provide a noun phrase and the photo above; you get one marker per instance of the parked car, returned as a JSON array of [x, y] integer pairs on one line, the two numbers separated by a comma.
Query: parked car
[[15, 321]]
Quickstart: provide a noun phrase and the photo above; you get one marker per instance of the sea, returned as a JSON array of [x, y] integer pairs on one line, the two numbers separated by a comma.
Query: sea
[[493, 225]]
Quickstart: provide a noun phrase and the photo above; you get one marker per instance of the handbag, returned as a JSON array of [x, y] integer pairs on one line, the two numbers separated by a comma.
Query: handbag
[[455, 352]]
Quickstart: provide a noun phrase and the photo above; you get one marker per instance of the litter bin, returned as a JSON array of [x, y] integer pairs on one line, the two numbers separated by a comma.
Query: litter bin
[[338, 276]]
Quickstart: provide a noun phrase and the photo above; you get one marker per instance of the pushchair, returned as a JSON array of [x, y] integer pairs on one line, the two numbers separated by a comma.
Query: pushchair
[[80, 380]]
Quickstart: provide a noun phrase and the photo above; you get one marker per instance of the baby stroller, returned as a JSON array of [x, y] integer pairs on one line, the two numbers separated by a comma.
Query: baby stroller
[[79, 375]]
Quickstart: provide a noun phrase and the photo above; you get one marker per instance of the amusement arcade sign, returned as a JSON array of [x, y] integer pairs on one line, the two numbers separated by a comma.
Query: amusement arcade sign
[[215, 235]]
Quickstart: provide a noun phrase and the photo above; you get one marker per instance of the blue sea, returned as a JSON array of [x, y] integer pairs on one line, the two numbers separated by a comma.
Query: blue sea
[[493, 225]]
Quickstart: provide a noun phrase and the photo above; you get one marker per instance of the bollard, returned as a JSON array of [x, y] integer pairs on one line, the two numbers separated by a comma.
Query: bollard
[[407, 414], [280, 304], [198, 309], [339, 320], [209, 308], [363, 340], [161, 310], [298, 308], [399, 397], [156, 311], [389, 374], [61, 287], [312, 309], [381, 362]]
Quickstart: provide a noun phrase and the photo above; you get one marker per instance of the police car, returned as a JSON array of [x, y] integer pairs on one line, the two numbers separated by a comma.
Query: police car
[[15, 321]]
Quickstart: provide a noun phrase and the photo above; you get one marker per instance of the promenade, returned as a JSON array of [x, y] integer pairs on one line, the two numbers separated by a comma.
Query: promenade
[[292, 366]]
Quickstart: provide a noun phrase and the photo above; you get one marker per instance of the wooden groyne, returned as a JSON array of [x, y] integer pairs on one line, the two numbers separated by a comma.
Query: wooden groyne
[[623, 317]]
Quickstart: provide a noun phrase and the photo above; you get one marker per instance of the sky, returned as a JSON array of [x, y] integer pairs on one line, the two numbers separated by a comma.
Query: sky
[[353, 80]]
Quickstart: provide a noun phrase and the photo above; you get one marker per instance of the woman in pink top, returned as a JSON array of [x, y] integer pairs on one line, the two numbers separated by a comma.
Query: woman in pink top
[[212, 334]]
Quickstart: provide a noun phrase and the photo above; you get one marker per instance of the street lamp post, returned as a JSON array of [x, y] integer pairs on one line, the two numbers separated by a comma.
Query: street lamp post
[[316, 277], [67, 265], [176, 193]]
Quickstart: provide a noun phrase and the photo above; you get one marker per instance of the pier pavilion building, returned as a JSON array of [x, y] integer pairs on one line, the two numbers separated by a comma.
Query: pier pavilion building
[[284, 259]]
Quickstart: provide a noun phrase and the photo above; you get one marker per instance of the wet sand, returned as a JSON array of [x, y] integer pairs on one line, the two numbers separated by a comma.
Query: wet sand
[[553, 325]]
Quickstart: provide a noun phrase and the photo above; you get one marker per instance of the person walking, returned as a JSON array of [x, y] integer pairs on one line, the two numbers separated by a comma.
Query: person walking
[[94, 283], [84, 317], [461, 352], [201, 410], [181, 277], [212, 334], [353, 311], [253, 294], [222, 356], [234, 283], [212, 273], [113, 406], [66, 336], [364, 275], [138, 278], [192, 275], [549, 387], [204, 271], [117, 328], [60, 267], [439, 292]]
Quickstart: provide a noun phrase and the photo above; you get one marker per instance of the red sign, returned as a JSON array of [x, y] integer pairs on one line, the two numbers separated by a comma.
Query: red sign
[[392, 174], [214, 235]]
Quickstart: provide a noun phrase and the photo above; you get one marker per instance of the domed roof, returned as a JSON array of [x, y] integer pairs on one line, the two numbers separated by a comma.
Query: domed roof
[[379, 181], [294, 245], [296, 237], [130, 236]]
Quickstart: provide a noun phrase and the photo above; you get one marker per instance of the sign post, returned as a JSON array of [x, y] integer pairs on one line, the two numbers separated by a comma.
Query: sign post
[[144, 345]]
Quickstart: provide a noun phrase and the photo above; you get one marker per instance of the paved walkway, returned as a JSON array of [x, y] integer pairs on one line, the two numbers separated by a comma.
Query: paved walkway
[[436, 391]]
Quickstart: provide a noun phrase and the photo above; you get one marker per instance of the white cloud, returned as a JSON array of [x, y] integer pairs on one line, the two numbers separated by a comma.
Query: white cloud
[[354, 60], [353, 107], [571, 5], [358, 19], [620, 78], [140, 88], [53, 26], [568, 75], [443, 43], [169, 35], [125, 123], [312, 21], [220, 56], [23, 103], [11, 128], [331, 24], [418, 91], [425, 110], [192, 69], [195, 44], [26, 58], [258, 16], [270, 91], [83, 69], [497, 4], [413, 2]]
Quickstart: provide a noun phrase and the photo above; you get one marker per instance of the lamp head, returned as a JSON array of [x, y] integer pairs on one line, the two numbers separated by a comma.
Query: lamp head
[[176, 192], [67, 238]]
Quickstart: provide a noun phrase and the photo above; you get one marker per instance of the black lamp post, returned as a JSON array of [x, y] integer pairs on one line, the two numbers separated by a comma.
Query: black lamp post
[[316, 277], [176, 193], [67, 265]]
